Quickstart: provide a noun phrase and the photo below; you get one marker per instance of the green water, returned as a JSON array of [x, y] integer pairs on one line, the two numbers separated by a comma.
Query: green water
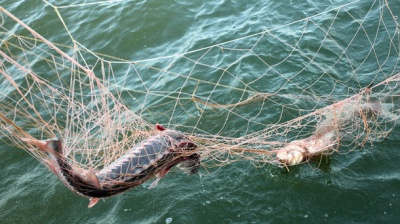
[[362, 186]]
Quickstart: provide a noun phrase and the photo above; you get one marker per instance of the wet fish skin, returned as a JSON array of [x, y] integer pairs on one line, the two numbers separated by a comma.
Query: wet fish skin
[[155, 155]]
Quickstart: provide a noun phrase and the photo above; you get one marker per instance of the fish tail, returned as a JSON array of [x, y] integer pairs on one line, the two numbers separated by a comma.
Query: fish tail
[[55, 145], [52, 146]]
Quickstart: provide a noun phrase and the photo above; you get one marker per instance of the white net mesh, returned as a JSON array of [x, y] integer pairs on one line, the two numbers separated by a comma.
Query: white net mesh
[[279, 96]]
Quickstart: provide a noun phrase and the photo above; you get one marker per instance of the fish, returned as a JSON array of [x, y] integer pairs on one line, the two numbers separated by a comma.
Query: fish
[[154, 156], [328, 133]]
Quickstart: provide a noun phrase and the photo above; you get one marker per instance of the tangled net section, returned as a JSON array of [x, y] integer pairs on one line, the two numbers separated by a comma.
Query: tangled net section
[[310, 87], [47, 93]]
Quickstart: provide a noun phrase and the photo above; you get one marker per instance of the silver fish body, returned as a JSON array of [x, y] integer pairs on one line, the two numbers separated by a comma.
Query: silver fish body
[[154, 156]]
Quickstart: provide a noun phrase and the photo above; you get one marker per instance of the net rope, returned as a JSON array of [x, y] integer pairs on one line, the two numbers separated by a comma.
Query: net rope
[[278, 97]]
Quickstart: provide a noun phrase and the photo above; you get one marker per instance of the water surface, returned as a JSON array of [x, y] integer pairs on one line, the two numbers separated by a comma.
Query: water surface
[[362, 186]]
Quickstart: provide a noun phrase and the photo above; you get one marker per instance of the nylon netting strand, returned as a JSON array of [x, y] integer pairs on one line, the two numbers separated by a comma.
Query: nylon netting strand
[[307, 87]]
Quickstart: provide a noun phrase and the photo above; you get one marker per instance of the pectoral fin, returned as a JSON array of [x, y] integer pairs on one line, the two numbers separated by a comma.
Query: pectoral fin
[[155, 182], [88, 176], [160, 175], [93, 202]]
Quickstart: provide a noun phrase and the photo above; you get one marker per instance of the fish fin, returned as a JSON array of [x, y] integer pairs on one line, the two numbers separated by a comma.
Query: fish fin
[[160, 175], [89, 176], [155, 182], [93, 202], [160, 127], [55, 145], [92, 178]]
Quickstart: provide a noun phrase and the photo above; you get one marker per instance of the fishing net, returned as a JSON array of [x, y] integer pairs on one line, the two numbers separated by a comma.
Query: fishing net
[[280, 96]]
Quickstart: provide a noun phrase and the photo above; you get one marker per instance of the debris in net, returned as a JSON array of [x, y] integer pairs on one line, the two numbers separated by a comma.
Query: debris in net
[[327, 134]]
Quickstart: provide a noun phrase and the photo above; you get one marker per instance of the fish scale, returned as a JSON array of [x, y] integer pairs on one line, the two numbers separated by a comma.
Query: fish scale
[[137, 159]]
